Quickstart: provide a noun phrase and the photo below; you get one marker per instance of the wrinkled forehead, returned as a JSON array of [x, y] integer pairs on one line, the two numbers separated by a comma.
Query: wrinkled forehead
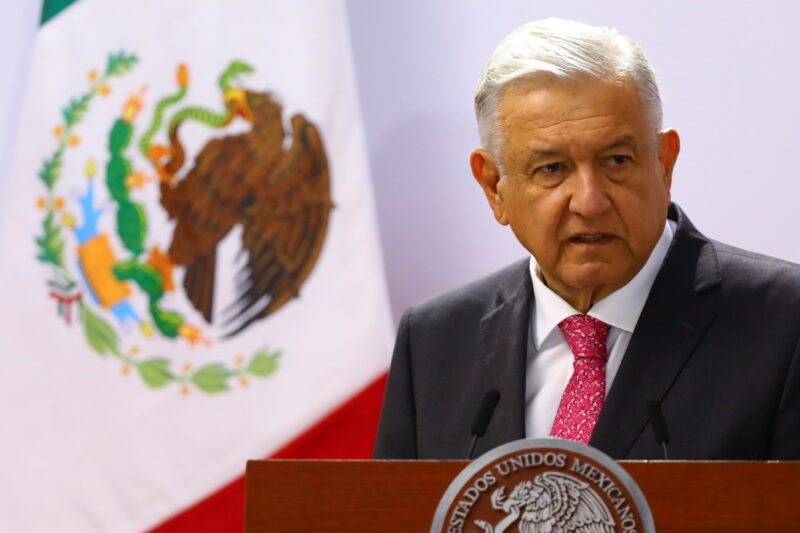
[[547, 102], [564, 115]]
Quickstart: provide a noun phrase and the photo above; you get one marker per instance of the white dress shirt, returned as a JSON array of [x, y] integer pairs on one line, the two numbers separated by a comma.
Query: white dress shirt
[[550, 358]]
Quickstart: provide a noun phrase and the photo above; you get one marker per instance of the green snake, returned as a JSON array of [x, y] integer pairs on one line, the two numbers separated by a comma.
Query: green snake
[[158, 119], [194, 113]]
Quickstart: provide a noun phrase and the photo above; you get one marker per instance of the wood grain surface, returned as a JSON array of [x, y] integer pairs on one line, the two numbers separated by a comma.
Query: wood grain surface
[[401, 496]]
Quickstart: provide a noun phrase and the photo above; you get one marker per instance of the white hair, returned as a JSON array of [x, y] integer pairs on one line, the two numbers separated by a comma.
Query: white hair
[[566, 50]]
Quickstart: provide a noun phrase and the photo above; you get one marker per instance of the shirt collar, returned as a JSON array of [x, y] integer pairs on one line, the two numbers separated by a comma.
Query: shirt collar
[[620, 309]]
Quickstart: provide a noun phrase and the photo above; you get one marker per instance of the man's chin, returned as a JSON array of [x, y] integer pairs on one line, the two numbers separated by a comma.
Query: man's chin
[[593, 276]]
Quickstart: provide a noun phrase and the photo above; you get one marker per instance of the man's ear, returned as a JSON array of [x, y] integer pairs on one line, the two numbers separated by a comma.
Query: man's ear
[[487, 174], [669, 145]]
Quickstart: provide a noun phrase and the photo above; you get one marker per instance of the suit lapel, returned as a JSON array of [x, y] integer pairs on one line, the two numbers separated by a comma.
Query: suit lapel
[[681, 305], [504, 338]]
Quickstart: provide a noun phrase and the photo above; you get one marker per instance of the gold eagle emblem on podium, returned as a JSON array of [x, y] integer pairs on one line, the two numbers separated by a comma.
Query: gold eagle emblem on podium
[[552, 503]]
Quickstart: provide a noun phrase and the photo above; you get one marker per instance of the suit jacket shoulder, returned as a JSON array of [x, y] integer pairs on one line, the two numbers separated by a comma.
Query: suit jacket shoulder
[[450, 350], [474, 299], [760, 276]]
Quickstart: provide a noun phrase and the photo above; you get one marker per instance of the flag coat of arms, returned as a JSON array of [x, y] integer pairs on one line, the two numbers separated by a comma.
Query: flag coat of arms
[[189, 253]]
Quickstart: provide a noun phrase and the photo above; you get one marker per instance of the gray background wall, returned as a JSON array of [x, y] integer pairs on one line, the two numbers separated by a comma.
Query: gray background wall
[[729, 80]]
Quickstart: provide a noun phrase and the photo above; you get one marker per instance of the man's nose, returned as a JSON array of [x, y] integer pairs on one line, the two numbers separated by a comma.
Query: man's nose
[[589, 198]]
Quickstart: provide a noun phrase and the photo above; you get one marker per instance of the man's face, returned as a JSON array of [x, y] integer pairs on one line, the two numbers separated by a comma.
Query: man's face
[[587, 182]]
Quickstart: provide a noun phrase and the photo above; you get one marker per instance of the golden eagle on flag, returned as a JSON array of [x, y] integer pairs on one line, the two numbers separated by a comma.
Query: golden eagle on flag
[[280, 196]]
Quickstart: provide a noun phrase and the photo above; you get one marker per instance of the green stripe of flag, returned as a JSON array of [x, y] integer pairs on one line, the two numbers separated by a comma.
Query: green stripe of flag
[[51, 8]]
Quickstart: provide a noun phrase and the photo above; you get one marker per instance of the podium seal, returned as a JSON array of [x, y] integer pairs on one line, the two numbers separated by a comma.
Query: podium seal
[[540, 485]]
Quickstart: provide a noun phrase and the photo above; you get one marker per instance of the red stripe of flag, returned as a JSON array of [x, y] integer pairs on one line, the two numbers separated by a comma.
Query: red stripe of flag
[[346, 433]]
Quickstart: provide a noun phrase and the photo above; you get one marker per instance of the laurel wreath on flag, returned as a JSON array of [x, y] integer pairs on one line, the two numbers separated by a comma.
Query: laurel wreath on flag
[[67, 289]]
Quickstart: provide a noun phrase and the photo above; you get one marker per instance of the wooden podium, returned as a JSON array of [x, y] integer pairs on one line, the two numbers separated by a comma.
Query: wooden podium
[[400, 496]]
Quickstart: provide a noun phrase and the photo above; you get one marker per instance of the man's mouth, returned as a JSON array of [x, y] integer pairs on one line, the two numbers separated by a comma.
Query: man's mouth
[[588, 238]]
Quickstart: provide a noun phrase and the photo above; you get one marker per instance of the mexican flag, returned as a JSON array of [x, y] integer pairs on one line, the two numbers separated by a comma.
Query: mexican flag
[[190, 260]]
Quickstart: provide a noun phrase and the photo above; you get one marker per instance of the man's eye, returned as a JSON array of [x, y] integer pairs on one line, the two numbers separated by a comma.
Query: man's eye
[[552, 168], [618, 160]]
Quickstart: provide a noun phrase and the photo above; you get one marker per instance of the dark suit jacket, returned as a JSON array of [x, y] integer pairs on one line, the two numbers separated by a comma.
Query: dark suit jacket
[[716, 343]]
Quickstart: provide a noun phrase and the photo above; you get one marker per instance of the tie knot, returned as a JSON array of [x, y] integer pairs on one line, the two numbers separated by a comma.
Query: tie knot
[[585, 335]]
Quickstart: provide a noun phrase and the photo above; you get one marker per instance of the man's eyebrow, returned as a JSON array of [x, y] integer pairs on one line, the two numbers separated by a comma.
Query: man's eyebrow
[[627, 141]]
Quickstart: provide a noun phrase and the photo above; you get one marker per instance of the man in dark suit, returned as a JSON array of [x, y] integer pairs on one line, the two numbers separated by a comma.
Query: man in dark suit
[[622, 301]]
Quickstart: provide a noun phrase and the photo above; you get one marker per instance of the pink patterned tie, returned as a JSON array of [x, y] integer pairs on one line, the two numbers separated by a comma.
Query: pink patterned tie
[[583, 398]]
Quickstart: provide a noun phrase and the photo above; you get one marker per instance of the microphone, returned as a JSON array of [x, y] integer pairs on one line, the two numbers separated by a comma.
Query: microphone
[[658, 424], [483, 417]]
